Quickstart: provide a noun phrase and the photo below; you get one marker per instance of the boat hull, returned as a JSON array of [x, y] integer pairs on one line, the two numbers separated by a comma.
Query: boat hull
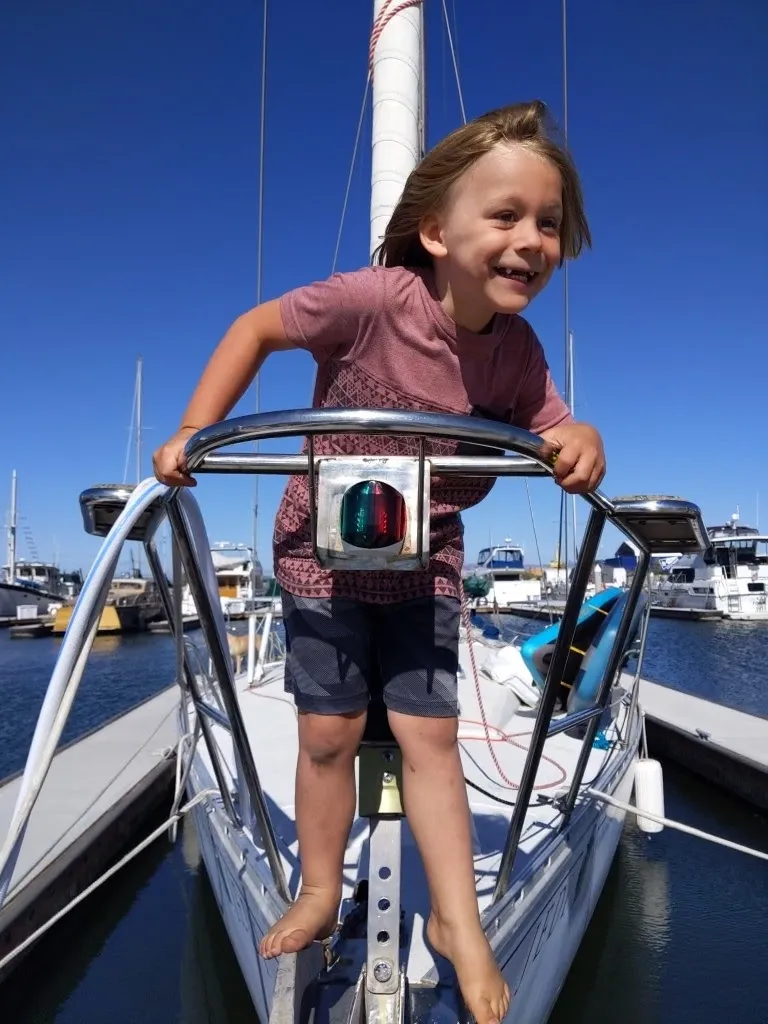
[[245, 899], [13, 596], [546, 944], [728, 603], [114, 619], [535, 932]]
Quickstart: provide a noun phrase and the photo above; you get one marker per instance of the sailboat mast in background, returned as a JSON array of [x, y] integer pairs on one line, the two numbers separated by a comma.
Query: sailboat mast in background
[[139, 387], [11, 570]]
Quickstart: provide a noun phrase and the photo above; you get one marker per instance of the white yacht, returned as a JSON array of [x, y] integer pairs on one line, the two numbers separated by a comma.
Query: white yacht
[[730, 578], [34, 587], [500, 579], [239, 577]]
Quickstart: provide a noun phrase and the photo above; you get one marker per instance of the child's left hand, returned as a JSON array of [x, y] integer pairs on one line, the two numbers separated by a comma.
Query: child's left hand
[[580, 462]]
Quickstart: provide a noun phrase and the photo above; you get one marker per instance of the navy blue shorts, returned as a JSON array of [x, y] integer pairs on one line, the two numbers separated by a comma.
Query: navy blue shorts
[[339, 650]]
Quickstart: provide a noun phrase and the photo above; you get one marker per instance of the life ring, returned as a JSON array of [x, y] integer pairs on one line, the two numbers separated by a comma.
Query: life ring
[[537, 650], [593, 667]]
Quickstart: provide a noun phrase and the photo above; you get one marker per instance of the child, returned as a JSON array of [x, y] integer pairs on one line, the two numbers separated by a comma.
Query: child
[[482, 223]]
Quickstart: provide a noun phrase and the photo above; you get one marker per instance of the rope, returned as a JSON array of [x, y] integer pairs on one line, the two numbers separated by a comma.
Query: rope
[[183, 768], [643, 735], [486, 728], [166, 753], [106, 876], [386, 14], [511, 738], [688, 829]]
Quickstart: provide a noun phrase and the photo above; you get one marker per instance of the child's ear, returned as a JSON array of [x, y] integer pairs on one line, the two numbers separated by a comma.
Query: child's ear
[[431, 235]]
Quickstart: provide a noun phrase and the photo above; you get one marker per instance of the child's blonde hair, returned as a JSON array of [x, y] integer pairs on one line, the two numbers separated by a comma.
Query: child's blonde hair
[[524, 124]]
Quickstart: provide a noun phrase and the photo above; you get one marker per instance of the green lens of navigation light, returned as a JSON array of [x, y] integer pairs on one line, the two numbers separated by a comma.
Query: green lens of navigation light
[[373, 515]]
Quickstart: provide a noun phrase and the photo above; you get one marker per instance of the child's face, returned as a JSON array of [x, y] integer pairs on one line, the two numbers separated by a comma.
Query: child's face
[[498, 235]]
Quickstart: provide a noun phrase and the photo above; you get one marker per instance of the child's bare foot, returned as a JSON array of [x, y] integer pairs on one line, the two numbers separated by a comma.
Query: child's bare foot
[[312, 916], [483, 988]]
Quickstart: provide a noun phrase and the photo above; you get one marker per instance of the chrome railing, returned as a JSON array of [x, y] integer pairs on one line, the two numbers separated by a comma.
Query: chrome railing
[[656, 525], [244, 803]]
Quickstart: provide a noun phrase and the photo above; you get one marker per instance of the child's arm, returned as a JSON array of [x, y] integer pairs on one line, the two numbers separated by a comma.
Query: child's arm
[[230, 370]]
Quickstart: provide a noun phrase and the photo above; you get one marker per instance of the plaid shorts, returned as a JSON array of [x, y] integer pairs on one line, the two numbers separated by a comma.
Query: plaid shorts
[[339, 651]]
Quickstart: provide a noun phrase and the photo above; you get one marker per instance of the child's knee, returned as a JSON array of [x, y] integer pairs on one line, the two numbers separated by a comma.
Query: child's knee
[[423, 737], [328, 739]]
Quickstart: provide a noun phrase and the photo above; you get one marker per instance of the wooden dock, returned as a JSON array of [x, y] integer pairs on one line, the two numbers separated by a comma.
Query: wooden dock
[[723, 745], [100, 790]]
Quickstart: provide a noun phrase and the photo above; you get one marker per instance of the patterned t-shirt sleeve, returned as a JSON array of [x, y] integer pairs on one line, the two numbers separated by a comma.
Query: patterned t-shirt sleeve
[[539, 406], [329, 317]]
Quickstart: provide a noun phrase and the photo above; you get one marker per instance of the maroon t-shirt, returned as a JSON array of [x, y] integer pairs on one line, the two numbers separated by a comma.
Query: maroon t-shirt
[[382, 340]]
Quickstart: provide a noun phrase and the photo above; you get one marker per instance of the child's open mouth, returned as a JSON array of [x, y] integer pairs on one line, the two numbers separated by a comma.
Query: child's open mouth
[[523, 276]]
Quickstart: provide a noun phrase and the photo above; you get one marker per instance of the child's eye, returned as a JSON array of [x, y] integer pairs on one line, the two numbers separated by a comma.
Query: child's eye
[[550, 224], [505, 216]]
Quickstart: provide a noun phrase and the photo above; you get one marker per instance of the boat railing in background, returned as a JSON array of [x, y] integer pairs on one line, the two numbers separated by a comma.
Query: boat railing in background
[[269, 651]]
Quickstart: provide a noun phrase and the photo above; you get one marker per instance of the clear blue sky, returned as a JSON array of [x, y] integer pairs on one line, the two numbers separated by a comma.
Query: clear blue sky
[[129, 176]]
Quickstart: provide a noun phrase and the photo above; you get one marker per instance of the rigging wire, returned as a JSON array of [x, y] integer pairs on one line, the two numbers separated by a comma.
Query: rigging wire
[[455, 62], [259, 256], [352, 164]]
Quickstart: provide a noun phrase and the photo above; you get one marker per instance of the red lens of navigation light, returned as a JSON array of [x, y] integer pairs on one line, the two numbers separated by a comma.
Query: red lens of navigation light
[[373, 515]]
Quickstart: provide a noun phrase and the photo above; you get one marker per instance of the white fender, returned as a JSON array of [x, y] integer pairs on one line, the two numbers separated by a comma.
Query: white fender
[[649, 793]]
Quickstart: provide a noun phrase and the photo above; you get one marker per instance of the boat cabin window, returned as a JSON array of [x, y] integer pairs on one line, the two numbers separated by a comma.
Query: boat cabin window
[[683, 575], [501, 558], [742, 552]]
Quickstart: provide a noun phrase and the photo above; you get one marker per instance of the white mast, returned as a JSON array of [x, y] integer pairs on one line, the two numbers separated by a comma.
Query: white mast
[[12, 533], [397, 139]]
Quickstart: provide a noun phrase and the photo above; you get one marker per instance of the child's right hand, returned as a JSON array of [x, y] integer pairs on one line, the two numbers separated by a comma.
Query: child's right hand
[[169, 463]]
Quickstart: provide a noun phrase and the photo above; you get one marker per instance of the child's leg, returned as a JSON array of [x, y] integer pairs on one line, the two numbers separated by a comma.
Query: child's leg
[[327, 659], [325, 808], [438, 814], [419, 667]]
